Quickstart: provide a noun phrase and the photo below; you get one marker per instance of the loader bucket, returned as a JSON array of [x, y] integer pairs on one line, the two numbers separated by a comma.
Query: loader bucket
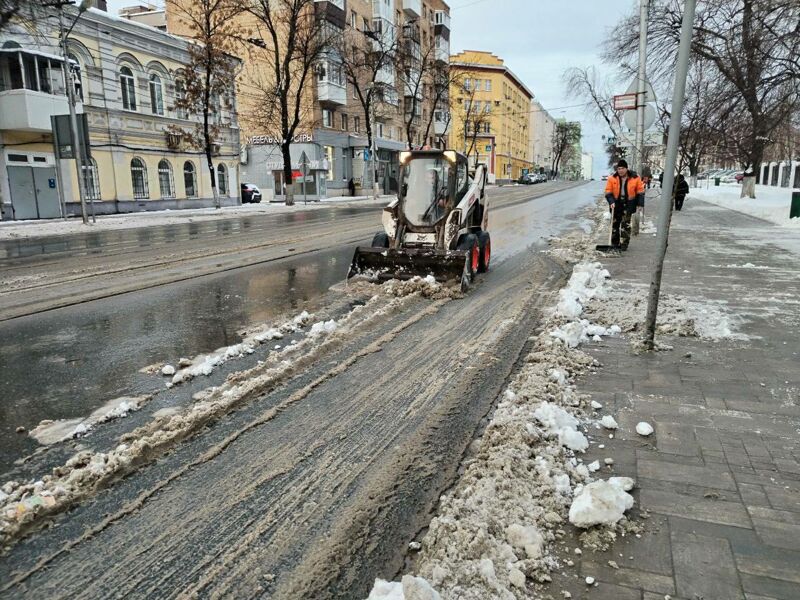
[[389, 263]]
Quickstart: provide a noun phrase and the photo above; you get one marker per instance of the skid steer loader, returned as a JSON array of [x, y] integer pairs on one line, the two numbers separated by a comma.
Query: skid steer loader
[[437, 225]]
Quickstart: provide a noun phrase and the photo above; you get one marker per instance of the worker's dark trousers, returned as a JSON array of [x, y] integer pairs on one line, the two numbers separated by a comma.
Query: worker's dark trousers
[[679, 202], [621, 229]]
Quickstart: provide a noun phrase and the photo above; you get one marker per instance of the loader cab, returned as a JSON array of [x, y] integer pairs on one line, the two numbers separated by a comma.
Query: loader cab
[[432, 182]]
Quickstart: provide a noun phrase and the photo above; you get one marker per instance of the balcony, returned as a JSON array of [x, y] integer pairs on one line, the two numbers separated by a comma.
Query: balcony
[[441, 122], [385, 76], [383, 9], [412, 8], [330, 93], [442, 51], [331, 83], [333, 11], [31, 90], [441, 23]]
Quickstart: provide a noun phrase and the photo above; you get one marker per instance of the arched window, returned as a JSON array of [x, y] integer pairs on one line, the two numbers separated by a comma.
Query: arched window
[[139, 179], [166, 182], [189, 181], [156, 95], [91, 181], [75, 65], [222, 180], [128, 86]]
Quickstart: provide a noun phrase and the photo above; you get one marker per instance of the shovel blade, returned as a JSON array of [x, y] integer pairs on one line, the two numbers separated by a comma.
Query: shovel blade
[[390, 263]]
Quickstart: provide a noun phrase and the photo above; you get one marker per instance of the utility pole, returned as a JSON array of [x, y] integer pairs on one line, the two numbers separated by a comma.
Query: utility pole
[[641, 91], [77, 142], [665, 209], [373, 145]]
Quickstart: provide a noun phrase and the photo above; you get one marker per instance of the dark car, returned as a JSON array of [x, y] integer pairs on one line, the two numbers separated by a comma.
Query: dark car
[[250, 193]]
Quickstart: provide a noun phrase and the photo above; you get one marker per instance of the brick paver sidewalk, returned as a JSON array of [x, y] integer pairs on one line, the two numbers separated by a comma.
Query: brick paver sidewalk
[[720, 477]]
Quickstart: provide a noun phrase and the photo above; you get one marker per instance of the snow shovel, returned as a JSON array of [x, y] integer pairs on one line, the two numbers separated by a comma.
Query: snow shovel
[[635, 222], [608, 248]]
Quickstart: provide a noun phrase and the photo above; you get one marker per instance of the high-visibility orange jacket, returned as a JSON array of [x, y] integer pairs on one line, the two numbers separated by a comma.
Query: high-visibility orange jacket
[[635, 189]]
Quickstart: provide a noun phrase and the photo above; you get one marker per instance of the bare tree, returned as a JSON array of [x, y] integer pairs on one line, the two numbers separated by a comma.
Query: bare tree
[[565, 136], [209, 75], [445, 78], [416, 66], [473, 115], [294, 38], [24, 11], [367, 59], [586, 83], [752, 44]]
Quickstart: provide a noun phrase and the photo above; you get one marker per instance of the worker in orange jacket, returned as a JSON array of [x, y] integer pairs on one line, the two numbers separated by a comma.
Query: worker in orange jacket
[[625, 195]]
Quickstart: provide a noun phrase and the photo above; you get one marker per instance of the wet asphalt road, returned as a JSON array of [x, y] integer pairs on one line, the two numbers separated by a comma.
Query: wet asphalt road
[[65, 362]]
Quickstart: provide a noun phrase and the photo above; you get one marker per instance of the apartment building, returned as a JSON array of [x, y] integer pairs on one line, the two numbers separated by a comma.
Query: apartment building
[[489, 96], [332, 135], [128, 77], [543, 126]]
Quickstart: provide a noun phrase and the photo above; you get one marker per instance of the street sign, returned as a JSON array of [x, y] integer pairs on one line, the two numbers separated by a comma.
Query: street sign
[[624, 101], [366, 154], [649, 93], [649, 117], [62, 135]]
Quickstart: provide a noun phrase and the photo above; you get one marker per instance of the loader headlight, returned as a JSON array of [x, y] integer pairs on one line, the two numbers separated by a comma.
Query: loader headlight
[[404, 156], [450, 155]]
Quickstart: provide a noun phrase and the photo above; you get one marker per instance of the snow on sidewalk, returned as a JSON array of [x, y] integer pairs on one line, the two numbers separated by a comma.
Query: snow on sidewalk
[[771, 203], [28, 229]]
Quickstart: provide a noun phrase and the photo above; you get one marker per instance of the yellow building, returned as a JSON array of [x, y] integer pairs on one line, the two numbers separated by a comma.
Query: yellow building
[[488, 96], [129, 76]]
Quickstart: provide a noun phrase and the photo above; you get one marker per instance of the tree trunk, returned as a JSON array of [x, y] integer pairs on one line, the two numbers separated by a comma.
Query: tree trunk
[[748, 187], [213, 174], [288, 181]]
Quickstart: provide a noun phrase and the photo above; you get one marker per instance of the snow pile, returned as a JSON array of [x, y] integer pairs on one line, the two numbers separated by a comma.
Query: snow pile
[[426, 286], [626, 306], [588, 281], [771, 203], [322, 327], [601, 502], [556, 421], [643, 428], [52, 432], [747, 265], [575, 333], [204, 365], [410, 588]]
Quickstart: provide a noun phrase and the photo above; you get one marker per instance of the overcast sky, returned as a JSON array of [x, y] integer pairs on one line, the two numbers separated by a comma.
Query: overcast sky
[[538, 40]]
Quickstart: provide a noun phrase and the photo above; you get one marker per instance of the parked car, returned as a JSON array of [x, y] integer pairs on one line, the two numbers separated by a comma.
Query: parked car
[[604, 178], [739, 177], [250, 193], [540, 178]]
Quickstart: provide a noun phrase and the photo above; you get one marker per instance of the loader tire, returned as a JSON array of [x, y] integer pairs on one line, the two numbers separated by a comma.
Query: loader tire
[[469, 244], [381, 240], [485, 246]]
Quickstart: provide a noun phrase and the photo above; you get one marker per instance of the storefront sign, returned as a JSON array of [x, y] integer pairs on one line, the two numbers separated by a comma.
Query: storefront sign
[[268, 140]]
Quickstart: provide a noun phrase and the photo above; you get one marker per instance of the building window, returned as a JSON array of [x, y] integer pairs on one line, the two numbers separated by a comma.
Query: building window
[[166, 182], [180, 95], [222, 179], [380, 130], [357, 124], [156, 95], [91, 181], [353, 19], [344, 122], [128, 86], [467, 83], [139, 179], [189, 181], [327, 118]]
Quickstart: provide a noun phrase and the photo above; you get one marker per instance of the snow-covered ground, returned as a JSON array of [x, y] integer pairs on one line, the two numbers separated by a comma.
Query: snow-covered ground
[[771, 203], [37, 228]]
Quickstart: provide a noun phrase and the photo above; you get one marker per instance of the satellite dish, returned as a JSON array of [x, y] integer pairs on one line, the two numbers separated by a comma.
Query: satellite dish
[[629, 117]]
